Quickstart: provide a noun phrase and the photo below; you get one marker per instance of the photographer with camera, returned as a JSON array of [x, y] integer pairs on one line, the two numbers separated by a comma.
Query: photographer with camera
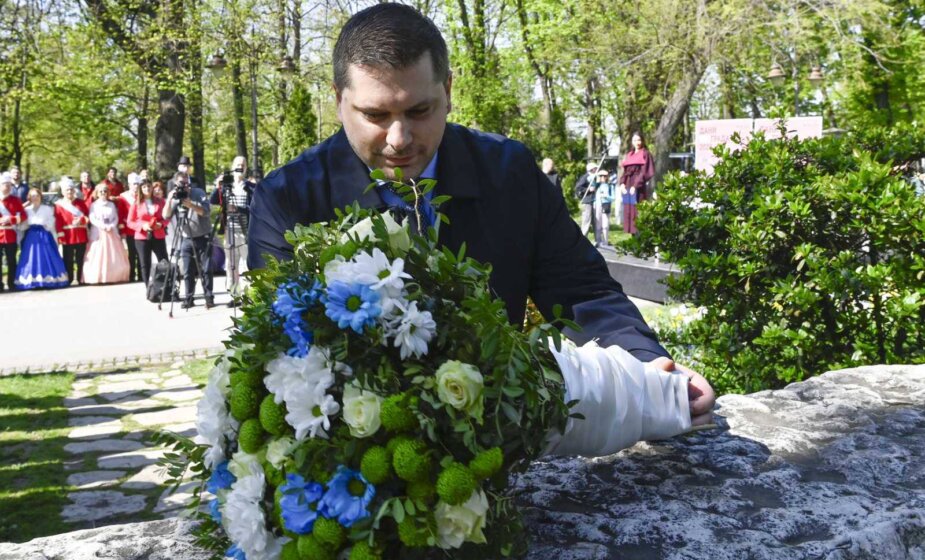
[[233, 194], [192, 208]]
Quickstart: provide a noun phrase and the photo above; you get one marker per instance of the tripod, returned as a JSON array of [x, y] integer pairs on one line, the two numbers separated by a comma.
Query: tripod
[[182, 222]]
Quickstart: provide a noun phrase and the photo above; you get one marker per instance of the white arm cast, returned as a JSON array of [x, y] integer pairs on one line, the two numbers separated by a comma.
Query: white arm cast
[[622, 399]]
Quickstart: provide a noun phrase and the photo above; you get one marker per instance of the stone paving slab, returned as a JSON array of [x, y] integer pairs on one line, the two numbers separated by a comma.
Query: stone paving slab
[[113, 473]]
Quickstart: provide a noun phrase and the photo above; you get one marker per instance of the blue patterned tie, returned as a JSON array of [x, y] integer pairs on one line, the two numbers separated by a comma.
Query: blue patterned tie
[[404, 210]]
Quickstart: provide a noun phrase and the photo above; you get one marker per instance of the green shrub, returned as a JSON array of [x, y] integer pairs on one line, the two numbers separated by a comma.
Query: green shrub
[[805, 256]]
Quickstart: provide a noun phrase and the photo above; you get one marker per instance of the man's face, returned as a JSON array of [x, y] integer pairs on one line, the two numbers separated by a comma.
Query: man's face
[[15, 174], [394, 118], [111, 174], [143, 174], [84, 177]]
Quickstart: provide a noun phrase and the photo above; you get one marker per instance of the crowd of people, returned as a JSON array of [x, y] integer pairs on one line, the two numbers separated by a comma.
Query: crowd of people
[[108, 232], [602, 194]]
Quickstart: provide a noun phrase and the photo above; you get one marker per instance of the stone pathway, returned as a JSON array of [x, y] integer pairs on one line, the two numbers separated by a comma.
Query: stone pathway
[[113, 417]]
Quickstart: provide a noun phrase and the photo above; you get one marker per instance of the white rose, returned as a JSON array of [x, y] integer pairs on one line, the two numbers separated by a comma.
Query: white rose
[[361, 411], [279, 449], [399, 239], [460, 385], [463, 523]]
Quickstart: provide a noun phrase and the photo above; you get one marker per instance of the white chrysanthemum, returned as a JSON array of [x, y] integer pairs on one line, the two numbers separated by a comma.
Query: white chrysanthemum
[[243, 516], [338, 270], [286, 373], [413, 331], [310, 410], [214, 424]]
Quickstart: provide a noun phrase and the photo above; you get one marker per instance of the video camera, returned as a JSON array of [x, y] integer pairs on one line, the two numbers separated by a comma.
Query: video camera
[[181, 191]]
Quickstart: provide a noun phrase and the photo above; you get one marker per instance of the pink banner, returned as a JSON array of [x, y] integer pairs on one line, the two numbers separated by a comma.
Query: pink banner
[[710, 134]]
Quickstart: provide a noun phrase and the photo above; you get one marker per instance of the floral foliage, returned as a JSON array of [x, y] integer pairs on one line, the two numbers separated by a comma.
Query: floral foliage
[[394, 399]]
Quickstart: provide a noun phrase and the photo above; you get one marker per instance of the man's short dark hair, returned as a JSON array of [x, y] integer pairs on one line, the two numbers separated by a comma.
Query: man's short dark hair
[[112, 169], [392, 35]]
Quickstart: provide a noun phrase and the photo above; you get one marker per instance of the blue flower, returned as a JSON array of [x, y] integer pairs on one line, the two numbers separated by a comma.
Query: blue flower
[[298, 503], [348, 497], [214, 511], [352, 305], [293, 300], [221, 478], [235, 552], [296, 329]]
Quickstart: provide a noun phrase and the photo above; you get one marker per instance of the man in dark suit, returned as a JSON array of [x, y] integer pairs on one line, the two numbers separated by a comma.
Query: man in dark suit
[[393, 86]]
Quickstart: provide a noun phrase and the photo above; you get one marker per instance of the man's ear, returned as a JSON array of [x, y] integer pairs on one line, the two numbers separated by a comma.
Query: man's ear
[[448, 87], [338, 98]]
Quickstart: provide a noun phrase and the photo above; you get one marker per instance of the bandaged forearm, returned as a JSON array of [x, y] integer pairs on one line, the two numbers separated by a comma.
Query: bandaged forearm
[[623, 401]]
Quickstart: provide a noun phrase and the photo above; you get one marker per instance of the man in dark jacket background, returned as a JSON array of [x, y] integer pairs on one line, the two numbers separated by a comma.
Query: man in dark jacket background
[[393, 87]]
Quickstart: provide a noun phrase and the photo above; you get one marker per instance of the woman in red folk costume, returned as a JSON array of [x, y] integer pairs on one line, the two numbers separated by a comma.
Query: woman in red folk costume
[[638, 169], [72, 218], [12, 214]]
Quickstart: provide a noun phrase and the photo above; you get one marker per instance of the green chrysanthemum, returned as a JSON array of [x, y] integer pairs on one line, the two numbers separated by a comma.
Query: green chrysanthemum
[[393, 443], [245, 402], [411, 460], [376, 465], [362, 551], [421, 490], [310, 548], [329, 532], [251, 436], [274, 476], [487, 463], [251, 378], [290, 551], [397, 415], [409, 533], [273, 416], [455, 484]]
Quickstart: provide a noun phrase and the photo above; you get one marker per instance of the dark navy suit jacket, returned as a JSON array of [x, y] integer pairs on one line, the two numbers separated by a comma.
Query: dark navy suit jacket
[[502, 206]]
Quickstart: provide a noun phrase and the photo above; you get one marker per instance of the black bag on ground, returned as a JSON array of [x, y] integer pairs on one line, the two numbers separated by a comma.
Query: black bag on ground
[[161, 276]]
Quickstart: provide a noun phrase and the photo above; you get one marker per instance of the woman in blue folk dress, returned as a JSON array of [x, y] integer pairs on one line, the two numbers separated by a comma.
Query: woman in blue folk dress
[[40, 264]]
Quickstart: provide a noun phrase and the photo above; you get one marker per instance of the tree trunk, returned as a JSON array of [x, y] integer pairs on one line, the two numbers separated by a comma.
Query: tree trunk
[[168, 132], [197, 139], [296, 32], [674, 111], [240, 133], [17, 123], [141, 156]]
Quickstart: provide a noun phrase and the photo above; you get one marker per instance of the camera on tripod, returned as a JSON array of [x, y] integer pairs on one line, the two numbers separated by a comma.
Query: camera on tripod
[[181, 191]]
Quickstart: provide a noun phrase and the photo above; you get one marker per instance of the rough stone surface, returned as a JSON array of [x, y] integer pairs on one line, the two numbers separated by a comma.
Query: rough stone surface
[[154, 540], [96, 430], [832, 468]]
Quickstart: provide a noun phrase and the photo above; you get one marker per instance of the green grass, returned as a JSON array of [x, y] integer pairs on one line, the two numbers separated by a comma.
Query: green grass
[[33, 432], [198, 370]]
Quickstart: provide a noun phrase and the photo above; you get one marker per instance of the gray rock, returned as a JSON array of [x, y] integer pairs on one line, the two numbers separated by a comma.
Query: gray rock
[[154, 540], [832, 468], [169, 416], [130, 459]]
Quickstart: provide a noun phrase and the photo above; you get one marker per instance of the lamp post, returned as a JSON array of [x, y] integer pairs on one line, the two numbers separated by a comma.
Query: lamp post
[[217, 64], [776, 76]]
